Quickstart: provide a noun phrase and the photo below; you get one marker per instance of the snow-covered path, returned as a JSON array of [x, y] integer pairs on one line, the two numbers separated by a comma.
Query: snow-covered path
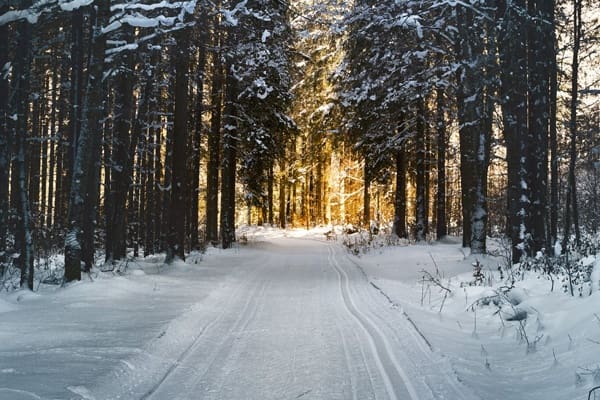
[[278, 319], [303, 323]]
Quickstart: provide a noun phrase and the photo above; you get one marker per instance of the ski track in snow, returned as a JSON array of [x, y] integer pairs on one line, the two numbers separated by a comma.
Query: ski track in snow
[[320, 278], [297, 319], [379, 345]]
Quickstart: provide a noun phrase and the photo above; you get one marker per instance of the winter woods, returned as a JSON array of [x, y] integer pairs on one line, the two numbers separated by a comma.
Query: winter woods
[[146, 126]]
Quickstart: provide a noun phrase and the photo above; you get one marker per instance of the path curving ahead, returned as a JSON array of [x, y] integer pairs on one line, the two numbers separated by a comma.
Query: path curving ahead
[[303, 323]]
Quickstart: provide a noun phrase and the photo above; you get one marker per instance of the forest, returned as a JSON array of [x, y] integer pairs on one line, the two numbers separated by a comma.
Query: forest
[[136, 127]]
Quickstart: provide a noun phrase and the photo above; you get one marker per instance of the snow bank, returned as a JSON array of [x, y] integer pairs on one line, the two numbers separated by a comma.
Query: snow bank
[[551, 354]]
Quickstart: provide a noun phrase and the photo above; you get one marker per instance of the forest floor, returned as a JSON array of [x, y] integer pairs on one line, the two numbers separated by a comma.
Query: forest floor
[[289, 317]]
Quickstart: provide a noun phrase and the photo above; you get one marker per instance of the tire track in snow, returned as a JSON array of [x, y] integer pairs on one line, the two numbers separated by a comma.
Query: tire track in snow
[[380, 346]]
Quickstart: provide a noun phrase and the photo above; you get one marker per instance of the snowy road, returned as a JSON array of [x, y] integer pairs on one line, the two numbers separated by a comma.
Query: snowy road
[[280, 319], [303, 323]]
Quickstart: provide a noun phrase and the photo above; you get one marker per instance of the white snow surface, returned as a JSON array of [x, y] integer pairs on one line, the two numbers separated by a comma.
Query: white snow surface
[[290, 315]]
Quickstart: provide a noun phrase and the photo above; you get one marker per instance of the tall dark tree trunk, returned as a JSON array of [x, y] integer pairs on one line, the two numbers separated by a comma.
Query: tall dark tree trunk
[[82, 201], [5, 135], [77, 89], [420, 202], [121, 159], [552, 128], [282, 198], [553, 132], [474, 124], [62, 148], [230, 140], [482, 139], [178, 204], [571, 209], [441, 225], [399, 227], [513, 62], [540, 44], [23, 236]]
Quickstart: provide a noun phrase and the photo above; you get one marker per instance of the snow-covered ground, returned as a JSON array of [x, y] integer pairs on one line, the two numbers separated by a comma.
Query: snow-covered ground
[[489, 353], [291, 315]]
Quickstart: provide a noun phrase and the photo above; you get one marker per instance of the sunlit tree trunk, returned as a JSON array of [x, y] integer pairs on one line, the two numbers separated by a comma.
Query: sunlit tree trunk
[[214, 146], [441, 226], [366, 195], [198, 129]]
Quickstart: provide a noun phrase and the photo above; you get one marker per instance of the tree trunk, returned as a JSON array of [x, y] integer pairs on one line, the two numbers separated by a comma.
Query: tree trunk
[[5, 135], [540, 45], [83, 177], [571, 209], [553, 141], [76, 96], [366, 195], [178, 204], [399, 227], [482, 138], [441, 226], [214, 147], [270, 184], [197, 148], [62, 149], [121, 159], [282, 198], [230, 140], [513, 62], [33, 153], [24, 237], [421, 207]]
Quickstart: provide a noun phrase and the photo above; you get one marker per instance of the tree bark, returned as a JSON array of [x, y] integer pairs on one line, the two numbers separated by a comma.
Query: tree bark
[[121, 161], [198, 129], [5, 135], [421, 207], [270, 184], [513, 63], [230, 139], [366, 195], [540, 44], [399, 227], [214, 147], [282, 198], [84, 169], [178, 204], [24, 236], [571, 209], [441, 225]]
